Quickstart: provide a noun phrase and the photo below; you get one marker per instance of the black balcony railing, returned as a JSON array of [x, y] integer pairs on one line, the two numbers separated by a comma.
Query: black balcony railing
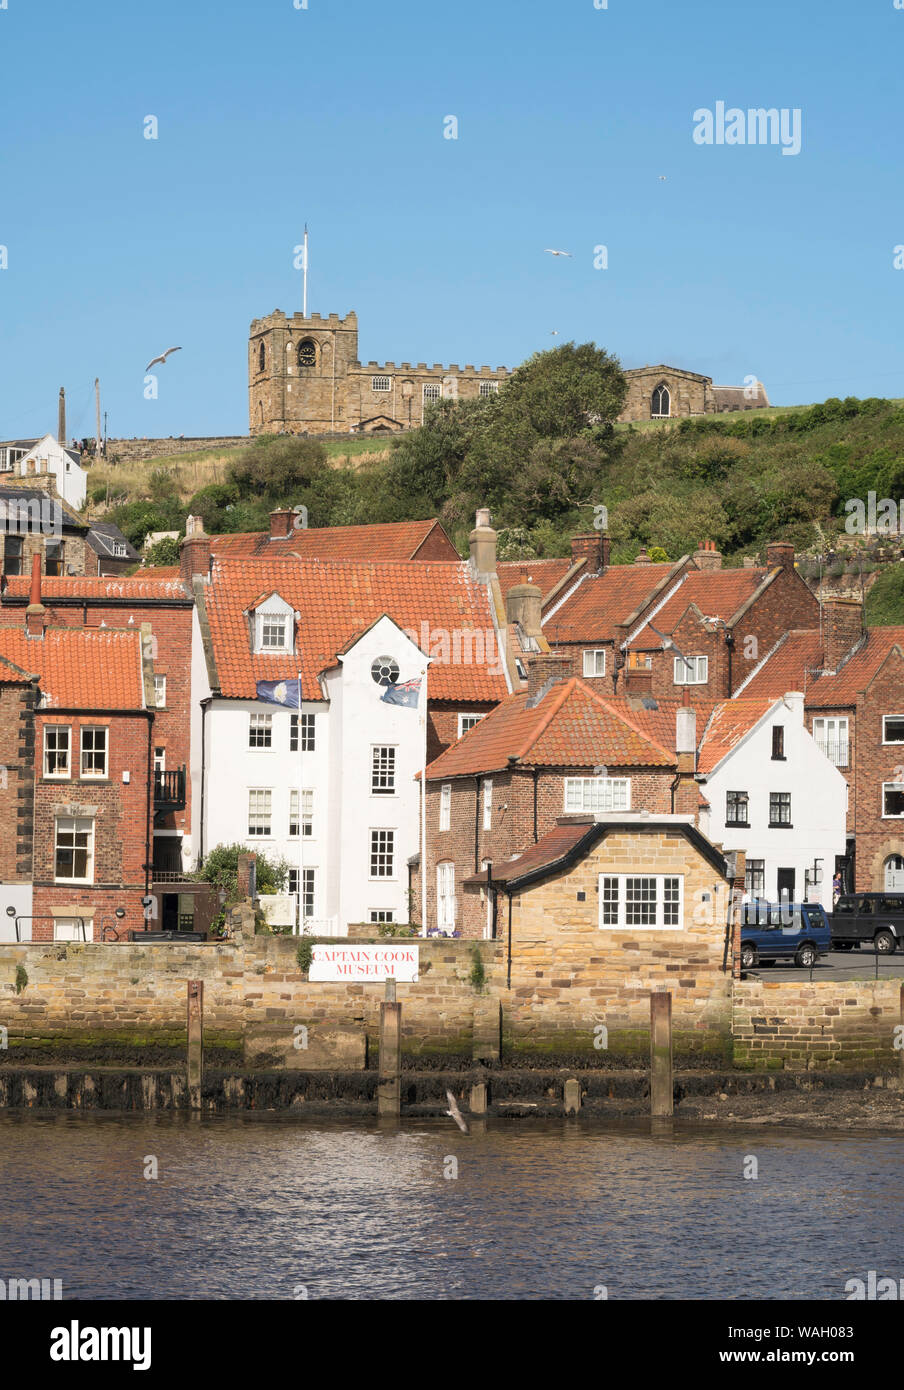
[[169, 790]]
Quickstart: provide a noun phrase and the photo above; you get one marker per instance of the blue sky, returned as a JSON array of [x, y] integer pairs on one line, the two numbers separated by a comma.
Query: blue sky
[[741, 260]]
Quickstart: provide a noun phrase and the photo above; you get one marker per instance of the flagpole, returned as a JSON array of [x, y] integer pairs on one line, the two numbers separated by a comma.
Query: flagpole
[[305, 305], [424, 813]]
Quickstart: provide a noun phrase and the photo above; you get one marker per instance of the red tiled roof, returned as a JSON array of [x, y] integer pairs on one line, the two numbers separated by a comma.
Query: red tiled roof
[[789, 666], [855, 674], [730, 721], [80, 668], [338, 600], [599, 602], [396, 540], [151, 584], [717, 593], [660, 723], [546, 574], [572, 726]]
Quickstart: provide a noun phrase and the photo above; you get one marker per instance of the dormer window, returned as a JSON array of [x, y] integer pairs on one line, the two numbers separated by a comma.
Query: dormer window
[[274, 627]]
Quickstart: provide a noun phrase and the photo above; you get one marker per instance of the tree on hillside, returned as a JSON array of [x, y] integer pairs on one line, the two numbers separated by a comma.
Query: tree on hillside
[[278, 466]]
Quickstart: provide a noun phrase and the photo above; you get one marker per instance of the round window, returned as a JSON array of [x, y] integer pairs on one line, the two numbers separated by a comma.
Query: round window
[[385, 670]]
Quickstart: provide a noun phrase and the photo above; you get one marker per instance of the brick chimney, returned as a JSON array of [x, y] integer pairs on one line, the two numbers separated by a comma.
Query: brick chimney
[[780, 553], [482, 542], [194, 550], [547, 668], [522, 605], [247, 869], [281, 525], [594, 549], [642, 558], [638, 674], [842, 626], [707, 557], [686, 796], [35, 613]]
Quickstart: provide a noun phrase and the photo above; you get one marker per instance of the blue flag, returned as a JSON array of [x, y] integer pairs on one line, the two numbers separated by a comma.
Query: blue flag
[[402, 693], [279, 692]]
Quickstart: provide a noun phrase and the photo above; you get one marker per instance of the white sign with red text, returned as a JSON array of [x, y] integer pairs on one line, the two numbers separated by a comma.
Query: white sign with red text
[[351, 962]]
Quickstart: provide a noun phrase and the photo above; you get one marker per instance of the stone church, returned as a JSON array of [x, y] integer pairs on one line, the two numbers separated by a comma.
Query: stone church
[[304, 377]]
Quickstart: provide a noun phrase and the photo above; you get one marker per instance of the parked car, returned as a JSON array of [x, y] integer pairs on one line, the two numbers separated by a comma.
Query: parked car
[[874, 918], [781, 931]]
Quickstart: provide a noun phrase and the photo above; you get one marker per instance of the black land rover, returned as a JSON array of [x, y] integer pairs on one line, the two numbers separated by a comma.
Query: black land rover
[[876, 919]]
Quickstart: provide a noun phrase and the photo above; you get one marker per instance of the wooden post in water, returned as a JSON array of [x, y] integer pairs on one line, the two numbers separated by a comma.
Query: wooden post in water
[[195, 1042], [661, 1090], [572, 1096], [388, 1088], [478, 1100]]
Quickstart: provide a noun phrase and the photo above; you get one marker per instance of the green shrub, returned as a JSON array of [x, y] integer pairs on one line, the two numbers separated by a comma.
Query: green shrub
[[478, 976], [21, 978], [305, 954]]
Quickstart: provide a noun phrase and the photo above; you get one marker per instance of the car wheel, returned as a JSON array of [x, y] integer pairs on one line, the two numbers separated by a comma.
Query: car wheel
[[805, 955], [884, 942], [748, 957]]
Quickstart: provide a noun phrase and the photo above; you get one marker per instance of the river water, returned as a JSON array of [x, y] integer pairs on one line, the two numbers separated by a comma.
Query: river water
[[265, 1207]]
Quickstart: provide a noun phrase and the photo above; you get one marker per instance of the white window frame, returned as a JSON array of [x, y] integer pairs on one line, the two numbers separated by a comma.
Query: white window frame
[[383, 767], [385, 850], [601, 790], [58, 776], [488, 803], [432, 386], [94, 775], [77, 823], [310, 890], [474, 718], [488, 388], [381, 385], [892, 742], [897, 786], [834, 745], [445, 806], [160, 692], [622, 882], [260, 723], [591, 661], [160, 762], [307, 812], [267, 626], [445, 895], [680, 670], [260, 798]]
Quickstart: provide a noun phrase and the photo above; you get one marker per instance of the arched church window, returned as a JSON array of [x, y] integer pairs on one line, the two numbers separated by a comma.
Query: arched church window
[[661, 404], [307, 353], [262, 359]]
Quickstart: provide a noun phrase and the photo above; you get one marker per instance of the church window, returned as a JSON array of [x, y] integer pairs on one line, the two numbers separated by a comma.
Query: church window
[[381, 383], [432, 392], [661, 404], [307, 353], [489, 388], [262, 358]]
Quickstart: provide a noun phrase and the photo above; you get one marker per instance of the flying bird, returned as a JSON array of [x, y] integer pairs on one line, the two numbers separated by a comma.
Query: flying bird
[[162, 358], [662, 178], [554, 333], [551, 252], [455, 1113]]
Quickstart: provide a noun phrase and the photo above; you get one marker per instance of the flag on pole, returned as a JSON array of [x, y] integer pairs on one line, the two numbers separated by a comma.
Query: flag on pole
[[280, 692], [404, 693]]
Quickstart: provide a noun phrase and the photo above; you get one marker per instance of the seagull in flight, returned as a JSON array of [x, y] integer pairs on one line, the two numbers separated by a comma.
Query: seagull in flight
[[551, 252], [162, 358], [662, 178], [455, 1113]]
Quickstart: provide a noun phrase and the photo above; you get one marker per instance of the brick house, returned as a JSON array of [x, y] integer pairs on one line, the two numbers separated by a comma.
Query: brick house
[[397, 540], [555, 748], [691, 624], [602, 910], [86, 728], [852, 679]]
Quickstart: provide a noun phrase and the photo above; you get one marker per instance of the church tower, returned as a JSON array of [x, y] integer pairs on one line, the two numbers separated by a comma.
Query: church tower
[[297, 373]]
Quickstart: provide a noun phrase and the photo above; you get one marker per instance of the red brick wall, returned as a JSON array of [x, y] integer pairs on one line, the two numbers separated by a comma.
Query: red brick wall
[[16, 781], [437, 546], [120, 824], [877, 838]]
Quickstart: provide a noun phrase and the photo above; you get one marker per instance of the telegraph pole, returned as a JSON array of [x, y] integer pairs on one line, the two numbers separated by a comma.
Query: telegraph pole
[[97, 407]]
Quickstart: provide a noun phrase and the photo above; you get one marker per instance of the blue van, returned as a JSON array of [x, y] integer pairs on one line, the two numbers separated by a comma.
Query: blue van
[[784, 931]]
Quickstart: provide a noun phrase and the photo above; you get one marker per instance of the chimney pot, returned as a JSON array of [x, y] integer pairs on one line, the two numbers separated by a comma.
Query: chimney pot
[[482, 544], [707, 557], [281, 525], [523, 605]]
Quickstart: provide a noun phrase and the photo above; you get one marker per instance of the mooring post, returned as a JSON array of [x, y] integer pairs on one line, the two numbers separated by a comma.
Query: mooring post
[[195, 1041], [477, 1103], [388, 1088], [572, 1096], [661, 1090]]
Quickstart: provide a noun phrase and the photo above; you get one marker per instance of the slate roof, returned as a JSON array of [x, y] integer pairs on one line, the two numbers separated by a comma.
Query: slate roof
[[103, 535], [340, 599], [80, 668], [572, 726]]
